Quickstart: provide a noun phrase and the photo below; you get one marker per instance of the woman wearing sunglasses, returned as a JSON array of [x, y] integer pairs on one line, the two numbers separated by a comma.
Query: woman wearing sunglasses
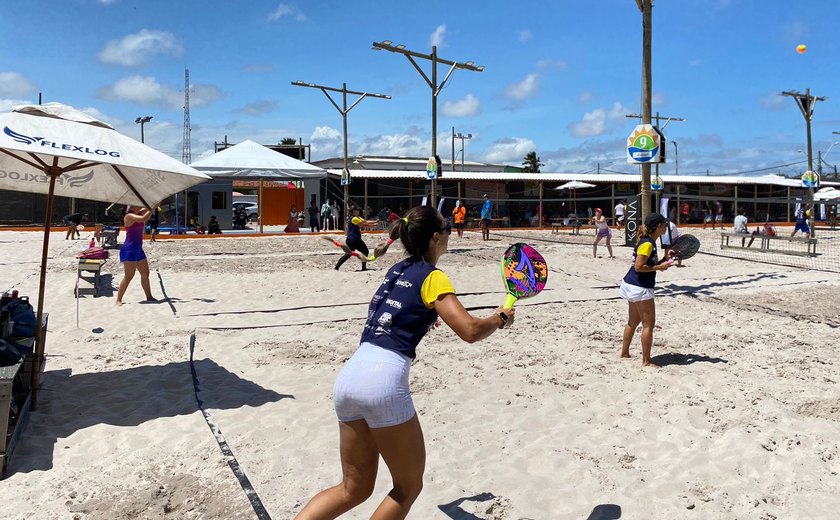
[[372, 399]]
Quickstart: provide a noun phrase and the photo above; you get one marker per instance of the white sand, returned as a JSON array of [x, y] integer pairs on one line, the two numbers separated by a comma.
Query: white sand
[[542, 421]]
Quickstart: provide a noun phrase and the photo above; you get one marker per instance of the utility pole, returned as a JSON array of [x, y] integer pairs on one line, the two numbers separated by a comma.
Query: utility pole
[[344, 110], [388, 45], [806, 103], [646, 7]]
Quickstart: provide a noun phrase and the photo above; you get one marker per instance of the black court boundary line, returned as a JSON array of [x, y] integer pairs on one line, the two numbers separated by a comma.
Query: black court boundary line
[[166, 296], [250, 492], [350, 304]]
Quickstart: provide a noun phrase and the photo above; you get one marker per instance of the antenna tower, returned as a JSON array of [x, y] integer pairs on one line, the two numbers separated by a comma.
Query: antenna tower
[[186, 154]]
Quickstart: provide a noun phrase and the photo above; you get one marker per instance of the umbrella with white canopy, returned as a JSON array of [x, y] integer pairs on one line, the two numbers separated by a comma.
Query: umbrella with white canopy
[[54, 149], [574, 185], [827, 193]]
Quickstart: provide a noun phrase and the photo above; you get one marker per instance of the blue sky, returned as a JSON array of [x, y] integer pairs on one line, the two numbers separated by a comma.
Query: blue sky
[[560, 76]]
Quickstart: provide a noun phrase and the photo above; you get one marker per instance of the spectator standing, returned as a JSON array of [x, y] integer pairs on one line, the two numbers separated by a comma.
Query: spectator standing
[[314, 225], [460, 216], [619, 214], [486, 215]]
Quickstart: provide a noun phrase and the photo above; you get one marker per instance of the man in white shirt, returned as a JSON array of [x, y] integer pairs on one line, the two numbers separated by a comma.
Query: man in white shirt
[[619, 213], [740, 226]]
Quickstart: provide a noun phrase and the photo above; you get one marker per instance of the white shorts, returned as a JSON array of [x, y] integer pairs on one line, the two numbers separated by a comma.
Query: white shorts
[[634, 293], [373, 385]]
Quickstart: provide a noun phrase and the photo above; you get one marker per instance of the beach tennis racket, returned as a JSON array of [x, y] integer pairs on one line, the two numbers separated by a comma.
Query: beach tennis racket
[[685, 246], [524, 273]]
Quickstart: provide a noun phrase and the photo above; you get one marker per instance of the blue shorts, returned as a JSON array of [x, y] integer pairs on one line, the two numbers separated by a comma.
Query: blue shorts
[[801, 226], [132, 255]]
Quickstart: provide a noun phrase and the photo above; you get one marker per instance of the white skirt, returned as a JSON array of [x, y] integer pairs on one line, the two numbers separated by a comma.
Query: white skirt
[[634, 293]]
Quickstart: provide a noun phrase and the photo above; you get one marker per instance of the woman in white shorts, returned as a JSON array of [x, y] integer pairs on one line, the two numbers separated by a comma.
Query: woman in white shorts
[[638, 286], [372, 399], [602, 230]]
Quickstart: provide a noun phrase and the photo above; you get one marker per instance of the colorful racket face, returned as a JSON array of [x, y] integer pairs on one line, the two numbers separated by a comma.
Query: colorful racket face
[[685, 246], [524, 273]]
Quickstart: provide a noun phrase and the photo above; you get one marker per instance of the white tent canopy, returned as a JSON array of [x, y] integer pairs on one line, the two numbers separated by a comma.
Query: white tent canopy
[[97, 163], [253, 160], [826, 194], [575, 185]]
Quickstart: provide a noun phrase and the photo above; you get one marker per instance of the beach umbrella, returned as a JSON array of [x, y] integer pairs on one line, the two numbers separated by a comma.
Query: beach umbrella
[[827, 193], [574, 185], [55, 149]]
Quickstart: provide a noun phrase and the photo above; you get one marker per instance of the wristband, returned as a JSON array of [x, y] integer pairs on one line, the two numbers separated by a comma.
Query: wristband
[[504, 317]]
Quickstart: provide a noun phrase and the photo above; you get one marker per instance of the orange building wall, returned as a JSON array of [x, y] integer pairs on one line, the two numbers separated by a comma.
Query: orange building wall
[[277, 203]]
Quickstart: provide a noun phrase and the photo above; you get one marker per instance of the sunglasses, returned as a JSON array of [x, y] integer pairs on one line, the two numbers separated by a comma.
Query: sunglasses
[[447, 228]]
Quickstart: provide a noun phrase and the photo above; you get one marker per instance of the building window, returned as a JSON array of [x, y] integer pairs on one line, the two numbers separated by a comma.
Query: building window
[[219, 200]]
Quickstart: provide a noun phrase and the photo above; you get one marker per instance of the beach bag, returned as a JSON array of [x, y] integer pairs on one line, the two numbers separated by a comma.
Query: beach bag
[[9, 354], [22, 313], [94, 253]]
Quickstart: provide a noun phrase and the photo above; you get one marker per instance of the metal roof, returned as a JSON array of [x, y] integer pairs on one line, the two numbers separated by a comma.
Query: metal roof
[[564, 177]]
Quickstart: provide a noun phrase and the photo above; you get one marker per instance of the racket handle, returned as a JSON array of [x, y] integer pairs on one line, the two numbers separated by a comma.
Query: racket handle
[[510, 300]]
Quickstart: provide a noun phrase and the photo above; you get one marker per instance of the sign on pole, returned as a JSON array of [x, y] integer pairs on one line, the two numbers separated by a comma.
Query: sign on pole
[[632, 220], [345, 177], [433, 168], [645, 145], [810, 179]]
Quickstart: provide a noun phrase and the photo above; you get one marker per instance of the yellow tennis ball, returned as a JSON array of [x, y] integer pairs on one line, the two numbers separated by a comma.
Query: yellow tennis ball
[[801, 48]]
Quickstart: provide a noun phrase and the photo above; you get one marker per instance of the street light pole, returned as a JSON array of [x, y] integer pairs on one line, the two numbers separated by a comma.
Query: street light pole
[[344, 110], [463, 138], [388, 45], [142, 121]]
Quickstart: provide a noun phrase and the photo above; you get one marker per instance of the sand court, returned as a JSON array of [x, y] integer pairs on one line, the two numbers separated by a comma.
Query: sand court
[[540, 421]]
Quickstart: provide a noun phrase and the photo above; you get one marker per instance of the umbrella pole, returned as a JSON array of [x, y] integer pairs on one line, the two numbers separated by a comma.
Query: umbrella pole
[[53, 173], [262, 206]]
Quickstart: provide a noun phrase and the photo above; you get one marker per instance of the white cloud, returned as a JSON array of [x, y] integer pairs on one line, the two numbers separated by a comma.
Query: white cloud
[[287, 10], [509, 150], [135, 49], [552, 64], [258, 107], [597, 122], [436, 39], [107, 2], [586, 96], [13, 84], [469, 106], [523, 89], [145, 90], [695, 63], [774, 101], [524, 35], [325, 133]]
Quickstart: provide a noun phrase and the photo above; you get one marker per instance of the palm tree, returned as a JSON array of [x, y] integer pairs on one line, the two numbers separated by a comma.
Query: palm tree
[[289, 140], [532, 163]]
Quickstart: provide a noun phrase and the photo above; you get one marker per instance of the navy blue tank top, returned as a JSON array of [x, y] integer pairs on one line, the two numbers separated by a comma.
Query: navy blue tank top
[[397, 317], [353, 230], [646, 280]]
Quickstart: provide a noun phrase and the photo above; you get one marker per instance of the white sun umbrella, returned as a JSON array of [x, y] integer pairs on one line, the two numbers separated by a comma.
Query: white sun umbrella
[[55, 149], [574, 185], [827, 193]]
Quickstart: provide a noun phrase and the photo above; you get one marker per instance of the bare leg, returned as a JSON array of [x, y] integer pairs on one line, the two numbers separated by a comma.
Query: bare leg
[[595, 246], [359, 464], [143, 269], [647, 310], [609, 247], [129, 268], [633, 320], [404, 452]]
